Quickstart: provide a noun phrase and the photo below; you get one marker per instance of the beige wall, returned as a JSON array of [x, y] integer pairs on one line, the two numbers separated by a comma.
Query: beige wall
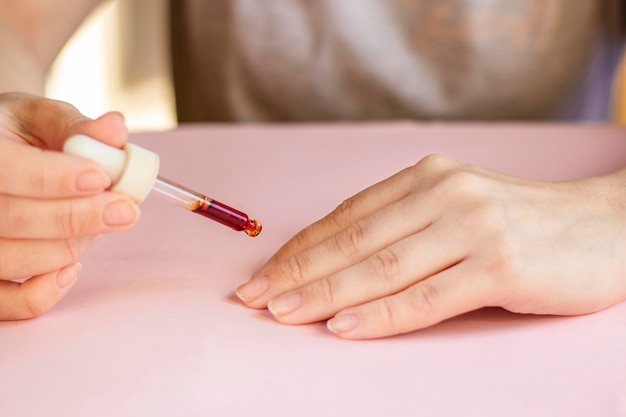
[[119, 60]]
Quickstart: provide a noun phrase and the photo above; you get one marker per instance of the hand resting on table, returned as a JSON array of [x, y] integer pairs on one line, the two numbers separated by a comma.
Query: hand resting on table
[[441, 238]]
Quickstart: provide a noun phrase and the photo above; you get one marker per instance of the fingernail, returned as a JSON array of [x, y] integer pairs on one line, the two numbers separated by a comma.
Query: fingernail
[[254, 288], [285, 304], [343, 323], [68, 275], [120, 213], [92, 181]]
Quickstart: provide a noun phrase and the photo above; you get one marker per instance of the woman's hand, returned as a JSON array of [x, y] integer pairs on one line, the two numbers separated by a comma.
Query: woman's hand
[[440, 239], [52, 205]]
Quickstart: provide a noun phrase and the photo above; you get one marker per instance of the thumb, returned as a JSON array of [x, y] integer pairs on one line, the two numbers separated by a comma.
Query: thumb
[[48, 123], [36, 295]]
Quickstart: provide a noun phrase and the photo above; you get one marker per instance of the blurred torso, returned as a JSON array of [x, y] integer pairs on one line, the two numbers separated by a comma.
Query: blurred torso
[[301, 60]]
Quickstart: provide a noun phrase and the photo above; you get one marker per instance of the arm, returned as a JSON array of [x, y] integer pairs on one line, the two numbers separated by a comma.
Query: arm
[[32, 34]]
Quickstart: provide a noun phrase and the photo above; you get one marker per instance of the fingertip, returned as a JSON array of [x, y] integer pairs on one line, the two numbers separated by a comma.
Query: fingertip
[[36, 295], [67, 276], [343, 324], [115, 115], [92, 181], [110, 128], [120, 212], [250, 292], [117, 131]]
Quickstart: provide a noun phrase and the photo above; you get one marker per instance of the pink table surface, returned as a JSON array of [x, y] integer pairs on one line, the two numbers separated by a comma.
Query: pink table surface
[[152, 327]]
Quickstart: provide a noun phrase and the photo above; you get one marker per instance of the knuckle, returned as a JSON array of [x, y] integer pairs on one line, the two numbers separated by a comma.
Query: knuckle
[[424, 296], [301, 238], [299, 241], [344, 213], [385, 266], [48, 180], [489, 214], [26, 105], [34, 306], [433, 162], [40, 180], [67, 222], [388, 315], [460, 181], [34, 302], [70, 113], [73, 249], [487, 218], [76, 218], [351, 241], [296, 267], [327, 289]]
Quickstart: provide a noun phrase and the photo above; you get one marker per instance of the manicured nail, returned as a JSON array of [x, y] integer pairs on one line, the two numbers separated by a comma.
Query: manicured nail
[[343, 323], [253, 289], [68, 275], [120, 213], [285, 304], [92, 181]]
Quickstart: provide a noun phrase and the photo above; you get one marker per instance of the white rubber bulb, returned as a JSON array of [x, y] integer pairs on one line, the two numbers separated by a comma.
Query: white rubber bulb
[[132, 170]]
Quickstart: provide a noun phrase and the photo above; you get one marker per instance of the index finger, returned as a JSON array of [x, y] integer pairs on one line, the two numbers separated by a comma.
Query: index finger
[[31, 172], [348, 212]]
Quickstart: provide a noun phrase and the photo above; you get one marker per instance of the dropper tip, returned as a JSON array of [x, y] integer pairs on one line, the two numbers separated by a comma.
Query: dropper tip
[[253, 228]]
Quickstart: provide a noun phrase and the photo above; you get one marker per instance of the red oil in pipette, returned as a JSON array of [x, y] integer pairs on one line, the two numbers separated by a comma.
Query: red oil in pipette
[[227, 216], [205, 206]]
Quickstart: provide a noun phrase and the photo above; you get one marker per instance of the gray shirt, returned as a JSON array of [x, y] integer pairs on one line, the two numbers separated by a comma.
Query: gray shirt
[[310, 60]]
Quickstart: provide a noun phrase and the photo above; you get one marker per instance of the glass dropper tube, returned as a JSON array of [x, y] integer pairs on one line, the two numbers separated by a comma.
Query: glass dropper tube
[[133, 170], [205, 206]]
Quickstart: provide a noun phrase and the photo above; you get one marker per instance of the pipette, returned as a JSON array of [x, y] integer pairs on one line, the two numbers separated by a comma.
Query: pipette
[[134, 171], [205, 206]]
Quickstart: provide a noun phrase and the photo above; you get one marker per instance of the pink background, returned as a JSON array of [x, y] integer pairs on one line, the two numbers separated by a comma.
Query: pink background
[[152, 327]]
